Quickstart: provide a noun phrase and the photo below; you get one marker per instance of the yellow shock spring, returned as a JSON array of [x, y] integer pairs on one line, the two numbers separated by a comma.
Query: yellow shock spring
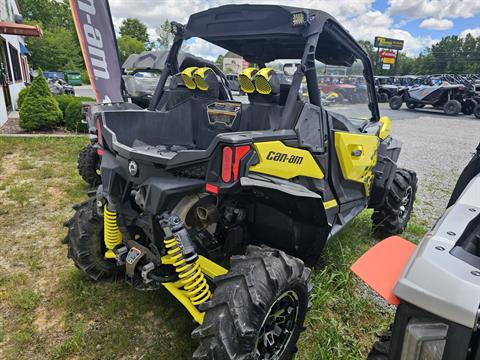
[[191, 276], [111, 234]]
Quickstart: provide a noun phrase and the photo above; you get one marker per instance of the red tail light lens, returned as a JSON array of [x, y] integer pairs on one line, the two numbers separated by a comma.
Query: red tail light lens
[[240, 152], [99, 131], [227, 158]]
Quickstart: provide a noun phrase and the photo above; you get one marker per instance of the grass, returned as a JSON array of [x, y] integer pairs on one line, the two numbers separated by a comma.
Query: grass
[[50, 310]]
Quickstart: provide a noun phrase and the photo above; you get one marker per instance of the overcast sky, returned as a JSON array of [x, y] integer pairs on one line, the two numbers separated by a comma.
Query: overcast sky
[[419, 22]]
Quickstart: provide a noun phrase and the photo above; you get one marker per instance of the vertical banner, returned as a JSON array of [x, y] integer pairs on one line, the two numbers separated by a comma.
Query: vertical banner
[[99, 46]]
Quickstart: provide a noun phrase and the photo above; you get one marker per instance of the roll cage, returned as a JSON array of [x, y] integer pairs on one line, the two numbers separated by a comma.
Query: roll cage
[[264, 33]]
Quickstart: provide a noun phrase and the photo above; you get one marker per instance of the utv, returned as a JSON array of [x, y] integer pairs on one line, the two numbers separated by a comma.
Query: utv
[[138, 82], [452, 98], [438, 290], [222, 202], [385, 88]]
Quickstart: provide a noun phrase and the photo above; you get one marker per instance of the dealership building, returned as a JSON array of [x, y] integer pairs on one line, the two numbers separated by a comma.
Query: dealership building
[[14, 70]]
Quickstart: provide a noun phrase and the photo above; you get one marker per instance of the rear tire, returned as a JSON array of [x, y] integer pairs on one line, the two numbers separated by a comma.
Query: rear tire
[[89, 165], [452, 107], [392, 217], [395, 102], [476, 111], [383, 97], [239, 320], [85, 243], [411, 106], [381, 347], [468, 106]]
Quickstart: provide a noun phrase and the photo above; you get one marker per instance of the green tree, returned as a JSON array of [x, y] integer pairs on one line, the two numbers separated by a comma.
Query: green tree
[[219, 61], [57, 50], [39, 108], [50, 13], [128, 45], [368, 47], [165, 35], [134, 28]]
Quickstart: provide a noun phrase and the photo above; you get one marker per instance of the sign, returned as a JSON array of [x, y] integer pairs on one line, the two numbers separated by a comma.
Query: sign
[[388, 60], [99, 46], [386, 66], [388, 54], [387, 43]]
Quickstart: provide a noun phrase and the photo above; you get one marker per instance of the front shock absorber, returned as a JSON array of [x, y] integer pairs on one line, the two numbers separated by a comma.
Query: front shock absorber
[[111, 233], [182, 255]]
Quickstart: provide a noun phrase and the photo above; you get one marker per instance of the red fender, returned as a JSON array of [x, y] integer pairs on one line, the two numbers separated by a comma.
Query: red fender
[[381, 266]]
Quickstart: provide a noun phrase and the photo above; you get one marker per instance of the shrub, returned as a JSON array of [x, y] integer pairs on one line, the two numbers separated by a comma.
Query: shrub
[[63, 101], [74, 117], [21, 96], [85, 78], [39, 108]]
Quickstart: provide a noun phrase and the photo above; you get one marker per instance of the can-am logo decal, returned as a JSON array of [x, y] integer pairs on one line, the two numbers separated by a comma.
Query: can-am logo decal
[[283, 157], [93, 37]]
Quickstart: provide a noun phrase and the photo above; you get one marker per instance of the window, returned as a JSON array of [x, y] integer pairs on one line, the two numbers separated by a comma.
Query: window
[[17, 70], [5, 72]]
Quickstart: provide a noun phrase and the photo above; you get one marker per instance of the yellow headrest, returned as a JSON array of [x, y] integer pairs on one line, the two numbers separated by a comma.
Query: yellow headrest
[[202, 76], [262, 80], [187, 77], [246, 80]]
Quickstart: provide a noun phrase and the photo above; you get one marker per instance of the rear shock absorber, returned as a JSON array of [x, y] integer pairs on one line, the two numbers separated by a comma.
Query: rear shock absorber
[[111, 233], [184, 258]]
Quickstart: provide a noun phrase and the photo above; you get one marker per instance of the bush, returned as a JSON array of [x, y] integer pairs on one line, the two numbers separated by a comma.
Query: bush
[[63, 101], [85, 78], [21, 96], [39, 109], [74, 117]]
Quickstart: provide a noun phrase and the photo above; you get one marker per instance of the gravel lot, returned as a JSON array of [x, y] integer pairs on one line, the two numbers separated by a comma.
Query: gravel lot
[[436, 146]]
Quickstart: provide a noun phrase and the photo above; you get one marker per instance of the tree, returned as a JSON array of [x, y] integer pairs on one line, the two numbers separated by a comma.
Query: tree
[[219, 61], [39, 109], [56, 50], [370, 50], [50, 13], [128, 45], [134, 28], [165, 35]]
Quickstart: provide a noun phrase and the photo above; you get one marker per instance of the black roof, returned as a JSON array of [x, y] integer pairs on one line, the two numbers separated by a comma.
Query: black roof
[[263, 33]]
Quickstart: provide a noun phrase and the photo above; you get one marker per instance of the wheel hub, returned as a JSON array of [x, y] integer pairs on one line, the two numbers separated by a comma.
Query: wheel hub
[[277, 327], [406, 204]]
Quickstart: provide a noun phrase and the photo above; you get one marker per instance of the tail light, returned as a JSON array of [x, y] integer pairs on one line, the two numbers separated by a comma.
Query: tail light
[[231, 158], [227, 157]]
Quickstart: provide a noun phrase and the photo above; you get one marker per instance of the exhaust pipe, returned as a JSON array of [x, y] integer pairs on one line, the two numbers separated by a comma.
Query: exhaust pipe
[[208, 213]]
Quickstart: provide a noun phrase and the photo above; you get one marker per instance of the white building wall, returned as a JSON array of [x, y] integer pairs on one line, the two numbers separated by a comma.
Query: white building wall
[[8, 9], [3, 108]]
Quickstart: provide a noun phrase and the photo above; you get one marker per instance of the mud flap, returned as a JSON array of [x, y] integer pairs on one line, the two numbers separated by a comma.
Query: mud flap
[[381, 266]]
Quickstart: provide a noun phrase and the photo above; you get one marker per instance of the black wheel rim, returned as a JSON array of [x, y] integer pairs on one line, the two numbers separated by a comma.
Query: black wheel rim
[[278, 327], [406, 204]]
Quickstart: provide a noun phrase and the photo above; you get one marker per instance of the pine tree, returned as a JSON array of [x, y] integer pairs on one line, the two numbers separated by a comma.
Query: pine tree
[[39, 109]]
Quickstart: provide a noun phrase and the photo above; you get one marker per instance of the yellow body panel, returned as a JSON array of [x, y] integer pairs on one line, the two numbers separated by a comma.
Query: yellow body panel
[[208, 267], [330, 204], [385, 128], [357, 154], [285, 162]]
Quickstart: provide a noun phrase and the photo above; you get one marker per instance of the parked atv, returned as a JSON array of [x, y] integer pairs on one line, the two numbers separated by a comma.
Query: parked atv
[[386, 89], [437, 288], [224, 203], [59, 87], [437, 93]]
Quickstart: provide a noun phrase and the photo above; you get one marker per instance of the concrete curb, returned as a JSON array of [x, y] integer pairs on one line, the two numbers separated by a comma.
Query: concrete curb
[[42, 135]]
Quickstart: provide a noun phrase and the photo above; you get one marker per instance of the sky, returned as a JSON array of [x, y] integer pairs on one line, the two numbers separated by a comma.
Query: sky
[[420, 23]]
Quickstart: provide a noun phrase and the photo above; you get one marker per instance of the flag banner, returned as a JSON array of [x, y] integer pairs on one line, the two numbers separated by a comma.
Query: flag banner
[[99, 46]]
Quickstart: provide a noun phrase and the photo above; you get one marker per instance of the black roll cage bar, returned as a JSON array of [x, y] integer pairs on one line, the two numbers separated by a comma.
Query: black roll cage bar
[[306, 68]]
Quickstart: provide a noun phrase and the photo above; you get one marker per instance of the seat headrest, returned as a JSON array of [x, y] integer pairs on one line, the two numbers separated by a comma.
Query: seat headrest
[[246, 80], [267, 82]]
